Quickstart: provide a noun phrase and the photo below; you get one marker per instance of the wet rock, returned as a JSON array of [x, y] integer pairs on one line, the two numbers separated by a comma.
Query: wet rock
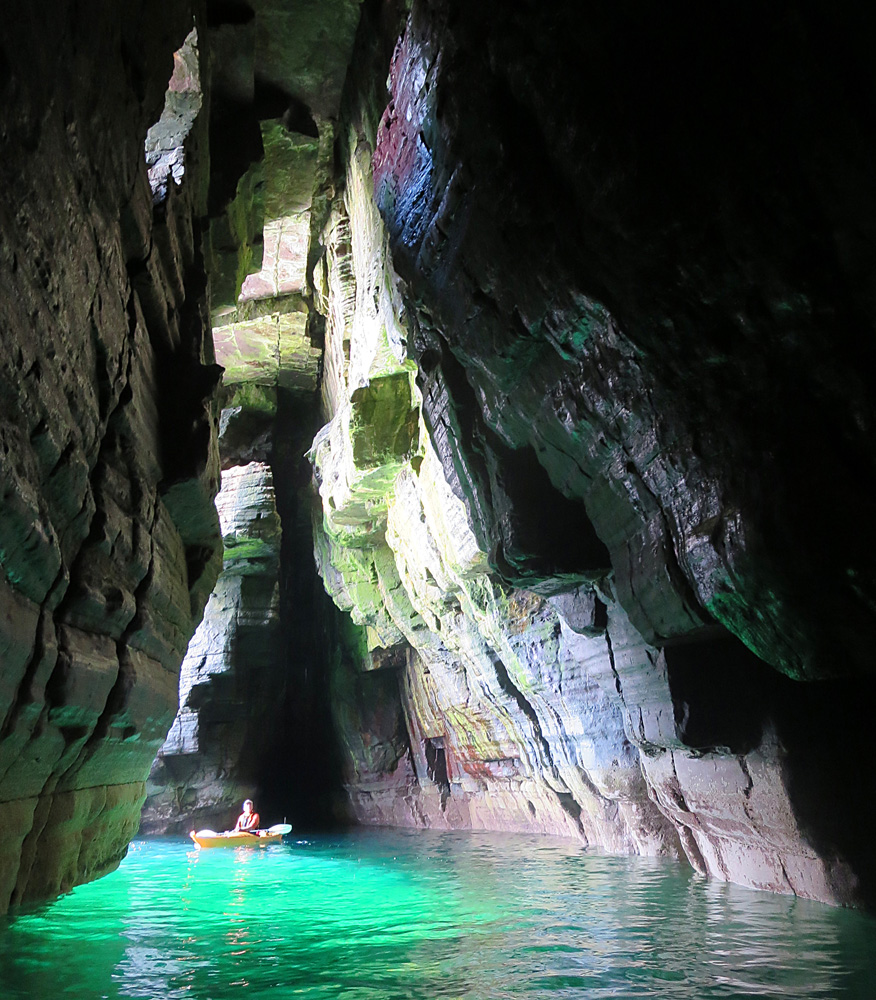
[[227, 681], [473, 711], [109, 535], [613, 537]]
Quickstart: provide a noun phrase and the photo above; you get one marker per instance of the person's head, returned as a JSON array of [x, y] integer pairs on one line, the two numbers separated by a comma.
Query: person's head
[[248, 807]]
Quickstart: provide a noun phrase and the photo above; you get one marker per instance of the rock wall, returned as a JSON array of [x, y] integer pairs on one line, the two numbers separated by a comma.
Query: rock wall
[[109, 540], [228, 680], [594, 479]]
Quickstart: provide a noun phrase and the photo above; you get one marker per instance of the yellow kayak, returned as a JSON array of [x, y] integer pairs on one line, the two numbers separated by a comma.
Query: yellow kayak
[[208, 838]]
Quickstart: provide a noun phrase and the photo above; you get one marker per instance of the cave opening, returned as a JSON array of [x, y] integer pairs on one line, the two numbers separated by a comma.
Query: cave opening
[[165, 152], [436, 765], [255, 719]]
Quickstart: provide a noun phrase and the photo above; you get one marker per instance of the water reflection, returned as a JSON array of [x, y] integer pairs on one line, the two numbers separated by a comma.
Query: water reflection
[[417, 916]]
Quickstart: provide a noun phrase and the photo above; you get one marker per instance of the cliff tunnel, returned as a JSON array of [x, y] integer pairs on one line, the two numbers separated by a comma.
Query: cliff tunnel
[[441, 415]]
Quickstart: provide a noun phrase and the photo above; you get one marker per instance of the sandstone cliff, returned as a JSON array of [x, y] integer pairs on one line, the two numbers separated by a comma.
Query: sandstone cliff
[[593, 483], [109, 540]]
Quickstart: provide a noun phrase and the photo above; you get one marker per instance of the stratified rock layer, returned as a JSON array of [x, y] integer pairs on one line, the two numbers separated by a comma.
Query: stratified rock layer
[[228, 681], [109, 541], [640, 276], [591, 479], [470, 712]]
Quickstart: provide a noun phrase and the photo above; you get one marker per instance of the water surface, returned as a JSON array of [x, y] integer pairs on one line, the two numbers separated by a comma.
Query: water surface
[[393, 915]]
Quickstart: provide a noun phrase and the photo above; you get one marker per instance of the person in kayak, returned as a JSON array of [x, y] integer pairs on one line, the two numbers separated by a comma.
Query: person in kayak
[[248, 820]]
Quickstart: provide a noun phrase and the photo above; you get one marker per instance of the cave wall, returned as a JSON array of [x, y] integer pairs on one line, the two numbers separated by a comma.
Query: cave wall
[[109, 540], [594, 484], [229, 676]]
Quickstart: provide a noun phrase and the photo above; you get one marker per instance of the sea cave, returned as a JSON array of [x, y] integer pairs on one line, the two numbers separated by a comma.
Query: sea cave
[[440, 416]]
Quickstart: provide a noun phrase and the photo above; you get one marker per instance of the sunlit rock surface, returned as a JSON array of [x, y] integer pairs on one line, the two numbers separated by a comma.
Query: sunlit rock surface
[[474, 711], [109, 540], [251, 680], [228, 677]]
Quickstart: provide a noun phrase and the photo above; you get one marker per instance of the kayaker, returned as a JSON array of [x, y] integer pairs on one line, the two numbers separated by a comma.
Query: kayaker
[[248, 819]]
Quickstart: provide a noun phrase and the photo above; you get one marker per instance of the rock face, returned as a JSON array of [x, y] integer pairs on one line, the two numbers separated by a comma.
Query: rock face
[[593, 482], [228, 678], [109, 540]]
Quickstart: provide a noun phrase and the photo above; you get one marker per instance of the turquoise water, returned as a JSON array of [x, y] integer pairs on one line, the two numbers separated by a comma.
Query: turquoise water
[[420, 916]]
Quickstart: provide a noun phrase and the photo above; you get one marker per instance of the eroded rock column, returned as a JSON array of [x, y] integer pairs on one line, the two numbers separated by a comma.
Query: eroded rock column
[[228, 679]]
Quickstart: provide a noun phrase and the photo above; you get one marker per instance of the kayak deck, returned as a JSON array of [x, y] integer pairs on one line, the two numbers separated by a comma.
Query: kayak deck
[[203, 839]]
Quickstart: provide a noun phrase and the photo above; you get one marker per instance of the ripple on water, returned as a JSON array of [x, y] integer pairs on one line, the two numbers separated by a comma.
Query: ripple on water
[[380, 916]]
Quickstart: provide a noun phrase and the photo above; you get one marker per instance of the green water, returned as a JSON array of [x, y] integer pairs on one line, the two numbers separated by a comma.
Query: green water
[[419, 916]]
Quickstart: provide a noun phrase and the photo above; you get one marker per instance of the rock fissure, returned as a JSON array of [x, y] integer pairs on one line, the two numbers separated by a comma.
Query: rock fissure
[[514, 692], [617, 681]]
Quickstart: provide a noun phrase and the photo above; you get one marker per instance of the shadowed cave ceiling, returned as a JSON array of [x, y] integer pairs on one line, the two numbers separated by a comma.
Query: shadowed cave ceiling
[[545, 332]]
